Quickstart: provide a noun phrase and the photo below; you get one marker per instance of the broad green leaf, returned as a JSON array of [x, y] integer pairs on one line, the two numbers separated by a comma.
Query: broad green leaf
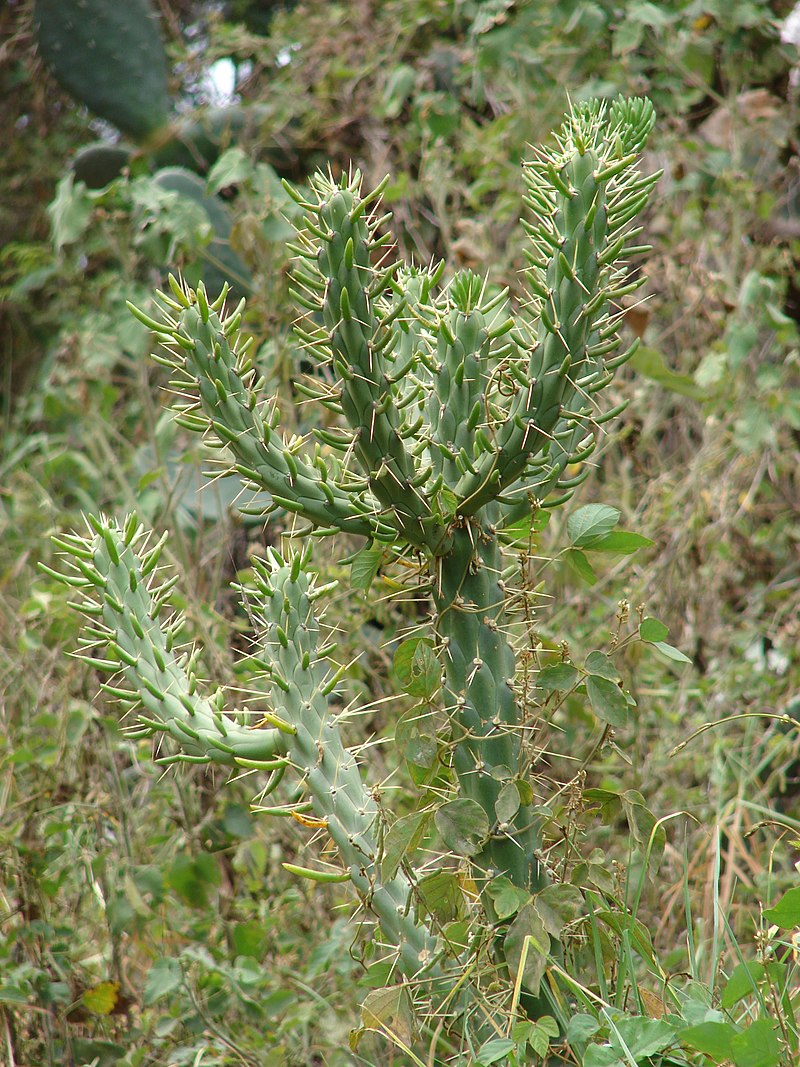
[[402, 838], [493, 1050], [508, 801], [192, 878], [364, 567], [440, 896], [417, 667], [599, 663], [389, 1008], [581, 1028], [650, 363], [101, 999], [644, 829], [591, 523], [786, 913], [559, 676], [69, 212], [249, 938], [163, 978], [526, 946], [464, 826], [603, 1056], [507, 897], [743, 982], [581, 565], [643, 1037], [233, 167], [558, 905], [757, 1046], [670, 652], [520, 532], [607, 700], [713, 1039], [540, 1033], [415, 736], [621, 542], [652, 630]]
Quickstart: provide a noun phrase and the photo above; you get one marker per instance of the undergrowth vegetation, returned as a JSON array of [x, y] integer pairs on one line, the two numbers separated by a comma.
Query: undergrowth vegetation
[[151, 914]]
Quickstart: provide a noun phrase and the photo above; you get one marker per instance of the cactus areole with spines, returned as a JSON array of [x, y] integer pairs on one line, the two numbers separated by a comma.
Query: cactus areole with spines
[[456, 418]]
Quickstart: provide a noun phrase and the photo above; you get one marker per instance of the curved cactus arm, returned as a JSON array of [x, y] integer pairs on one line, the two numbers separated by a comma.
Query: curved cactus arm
[[217, 382], [280, 600], [584, 193], [116, 573], [340, 284]]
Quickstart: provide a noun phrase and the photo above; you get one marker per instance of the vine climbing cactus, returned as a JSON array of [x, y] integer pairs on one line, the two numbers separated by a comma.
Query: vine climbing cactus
[[457, 420]]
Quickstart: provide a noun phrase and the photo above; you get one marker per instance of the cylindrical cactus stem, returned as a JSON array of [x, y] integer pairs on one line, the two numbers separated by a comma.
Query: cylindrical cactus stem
[[487, 724], [219, 391], [340, 241], [116, 573], [280, 601]]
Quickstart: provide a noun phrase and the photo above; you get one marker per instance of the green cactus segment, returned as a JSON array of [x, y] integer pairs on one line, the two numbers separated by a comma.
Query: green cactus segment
[[109, 55], [487, 727], [116, 573], [96, 165], [584, 196], [213, 371], [281, 603], [338, 282]]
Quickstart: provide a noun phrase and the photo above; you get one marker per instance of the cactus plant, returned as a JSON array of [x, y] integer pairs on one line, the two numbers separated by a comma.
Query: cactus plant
[[109, 56], [457, 419]]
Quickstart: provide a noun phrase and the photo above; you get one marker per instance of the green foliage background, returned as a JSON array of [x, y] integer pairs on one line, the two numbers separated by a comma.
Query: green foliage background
[[146, 918]]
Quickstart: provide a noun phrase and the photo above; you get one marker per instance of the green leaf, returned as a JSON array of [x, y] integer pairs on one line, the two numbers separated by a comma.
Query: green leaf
[[558, 905], [598, 663], [507, 897], [464, 826], [521, 532], [508, 802], [671, 653], [607, 700], [192, 877], [440, 896], [540, 1033], [232, 168], [417, 667], [164, 977], [581, 565], [581, 1028], [786, 913], [415, 737], [621, 543], [743, 982], [69, 212], [389, 1008], [757, 1046], [652, 630], [713, 1039], [526, 946], [650, 364], [603, 1056], [493, 1050], [558, 677], [642, 1036], [591, 523], [364, 567], [402, 838]]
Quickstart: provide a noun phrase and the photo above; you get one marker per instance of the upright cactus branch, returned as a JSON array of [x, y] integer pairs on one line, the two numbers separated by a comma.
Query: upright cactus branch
[[457, 418]]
